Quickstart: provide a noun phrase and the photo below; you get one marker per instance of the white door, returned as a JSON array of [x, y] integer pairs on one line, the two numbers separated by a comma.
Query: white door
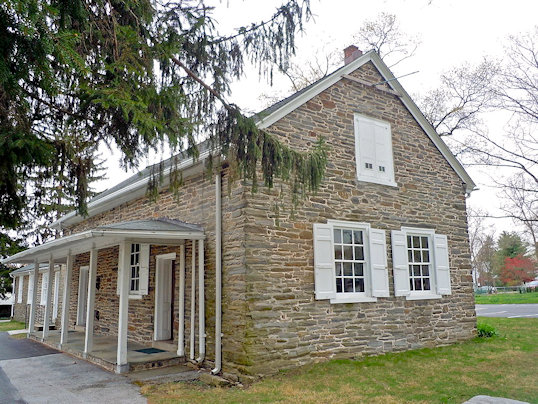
[[82, 295], [163, 300]]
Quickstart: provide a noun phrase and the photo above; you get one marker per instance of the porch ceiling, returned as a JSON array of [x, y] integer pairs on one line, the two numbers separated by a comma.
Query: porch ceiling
[[154, 231]]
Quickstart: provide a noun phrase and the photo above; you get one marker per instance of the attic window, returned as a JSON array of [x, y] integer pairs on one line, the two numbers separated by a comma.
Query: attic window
[[373, 147]]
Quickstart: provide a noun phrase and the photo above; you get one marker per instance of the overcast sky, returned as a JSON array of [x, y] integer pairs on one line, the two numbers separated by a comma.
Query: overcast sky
[[451, 32]]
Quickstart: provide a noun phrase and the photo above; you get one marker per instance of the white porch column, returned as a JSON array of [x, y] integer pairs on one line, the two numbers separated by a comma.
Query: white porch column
[[66, 300], [31, 325], [90, 306], [46, 316], [181, 303], [123, 279], [201, 302], [193, 298]]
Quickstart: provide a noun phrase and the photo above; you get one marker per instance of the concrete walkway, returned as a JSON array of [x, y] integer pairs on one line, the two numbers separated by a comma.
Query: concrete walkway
[[32, 373], [527, 310], [492, 400]]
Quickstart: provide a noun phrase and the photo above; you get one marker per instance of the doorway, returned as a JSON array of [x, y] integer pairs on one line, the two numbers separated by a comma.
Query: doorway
[[163, 297], [83, 279]]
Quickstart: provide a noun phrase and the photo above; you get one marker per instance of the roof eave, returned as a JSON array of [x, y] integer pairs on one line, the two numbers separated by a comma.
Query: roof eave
[[78, 243], [123, 195]]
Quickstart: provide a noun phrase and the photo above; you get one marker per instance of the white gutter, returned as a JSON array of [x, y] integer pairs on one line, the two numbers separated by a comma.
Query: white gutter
[[125, 194], [79, 237], [218, 276]]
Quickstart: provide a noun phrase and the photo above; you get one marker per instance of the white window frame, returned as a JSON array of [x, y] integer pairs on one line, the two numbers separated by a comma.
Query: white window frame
[[388, 168], [29, 297], [44, 286], [20, 290], [355, 297], [438, 252], [430, 234], [136, 267], [56, 292]]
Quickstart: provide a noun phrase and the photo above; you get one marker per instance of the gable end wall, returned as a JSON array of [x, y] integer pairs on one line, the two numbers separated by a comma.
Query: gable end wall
[[287, 327]]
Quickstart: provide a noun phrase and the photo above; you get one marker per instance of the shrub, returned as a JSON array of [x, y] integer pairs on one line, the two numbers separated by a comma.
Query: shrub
[[486, 330]]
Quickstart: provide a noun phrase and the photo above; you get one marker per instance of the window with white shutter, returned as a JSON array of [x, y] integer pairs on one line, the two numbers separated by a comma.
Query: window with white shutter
[[30, 296], [138, 270], [350, 263], [420, 264], [373, 151], [21, 288], [44, 285]]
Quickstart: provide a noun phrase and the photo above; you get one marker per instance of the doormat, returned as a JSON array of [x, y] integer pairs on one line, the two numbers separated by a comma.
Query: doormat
[[150, 350]]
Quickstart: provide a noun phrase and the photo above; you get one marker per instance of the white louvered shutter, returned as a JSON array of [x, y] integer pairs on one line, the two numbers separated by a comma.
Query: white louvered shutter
[[365, 147], [442, 267], [383, 151], [324, 277], [144, 269], [30, 298], [44, 286], [399, 263], [21, 288], [378, 260]]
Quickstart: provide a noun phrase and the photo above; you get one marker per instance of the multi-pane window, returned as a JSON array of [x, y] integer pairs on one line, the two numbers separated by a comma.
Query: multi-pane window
[[349, 260], [135, 267], [418, 258]]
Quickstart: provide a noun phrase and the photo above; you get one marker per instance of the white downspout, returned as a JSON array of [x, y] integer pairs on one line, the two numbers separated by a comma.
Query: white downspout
[[201, 303], [193, 299], [218, 276], [181, 305]]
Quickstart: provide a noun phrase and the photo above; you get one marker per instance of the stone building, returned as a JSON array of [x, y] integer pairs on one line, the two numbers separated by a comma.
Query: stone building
[[377, 260]]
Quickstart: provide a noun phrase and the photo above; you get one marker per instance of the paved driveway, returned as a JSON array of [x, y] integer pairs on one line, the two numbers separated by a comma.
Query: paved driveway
[[31, 373], [507, 310]]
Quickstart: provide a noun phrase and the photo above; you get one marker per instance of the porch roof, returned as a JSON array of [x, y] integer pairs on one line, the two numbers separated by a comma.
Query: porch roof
[[154, 231]]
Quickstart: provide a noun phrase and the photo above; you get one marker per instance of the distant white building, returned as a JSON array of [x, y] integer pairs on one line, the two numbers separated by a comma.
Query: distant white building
[[6, 306]]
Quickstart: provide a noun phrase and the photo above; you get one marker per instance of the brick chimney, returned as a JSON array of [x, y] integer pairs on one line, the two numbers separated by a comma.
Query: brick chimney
[[351, 53]]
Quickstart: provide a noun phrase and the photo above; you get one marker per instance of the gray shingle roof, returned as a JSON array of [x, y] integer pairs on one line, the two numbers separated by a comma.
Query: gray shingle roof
[[28, 268], [272, 108], [146, 172]]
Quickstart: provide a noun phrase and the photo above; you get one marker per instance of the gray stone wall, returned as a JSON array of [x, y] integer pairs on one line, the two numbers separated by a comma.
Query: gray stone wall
[[194, 204], [270, 318], [21, 311], [287, 326]]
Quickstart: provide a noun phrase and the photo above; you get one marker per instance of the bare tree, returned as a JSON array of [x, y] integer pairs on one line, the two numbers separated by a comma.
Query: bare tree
[[457, 105], [522, 206], [383, 34], [519, 90], [515, 89], [481, 239]]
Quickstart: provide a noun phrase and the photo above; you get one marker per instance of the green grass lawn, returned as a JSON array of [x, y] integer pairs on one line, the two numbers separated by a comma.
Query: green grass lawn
[[507, 298], [11, 325], [504, 366]]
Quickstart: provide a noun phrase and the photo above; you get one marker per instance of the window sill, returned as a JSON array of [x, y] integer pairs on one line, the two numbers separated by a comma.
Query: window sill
[[378, 181], [135, 297], [353, 299], [429, 296]]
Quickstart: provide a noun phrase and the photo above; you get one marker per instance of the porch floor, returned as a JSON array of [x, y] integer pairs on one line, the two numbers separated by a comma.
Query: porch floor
[[105, 350]]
